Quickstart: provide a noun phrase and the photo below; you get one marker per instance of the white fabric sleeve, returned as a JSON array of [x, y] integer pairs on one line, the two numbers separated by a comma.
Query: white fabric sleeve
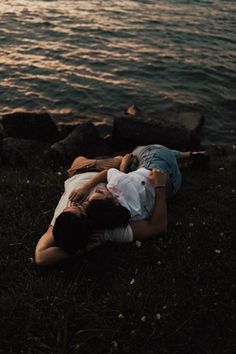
[[62, 204], [121, 235]]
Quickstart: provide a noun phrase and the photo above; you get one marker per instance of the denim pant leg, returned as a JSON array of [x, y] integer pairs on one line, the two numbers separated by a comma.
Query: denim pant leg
[[158, 156]]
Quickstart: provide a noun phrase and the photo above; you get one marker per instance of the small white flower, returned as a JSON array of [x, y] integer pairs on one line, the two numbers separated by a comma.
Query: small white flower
[[143, 318], [178, 223], [132, 281], [59, 173], [218, 251], [234, 147], [221, 234], [159, 263], [114, 345], [190, 224], [204, 223], [132, 332], [158, 316], [28, 181], [221, 168], [120, 315], [233, 190], [138, 244]]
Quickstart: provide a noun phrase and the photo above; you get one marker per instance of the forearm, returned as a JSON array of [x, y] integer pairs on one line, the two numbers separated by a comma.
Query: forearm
[[50, 256], [125, 162], [100, 177], [157, 224]]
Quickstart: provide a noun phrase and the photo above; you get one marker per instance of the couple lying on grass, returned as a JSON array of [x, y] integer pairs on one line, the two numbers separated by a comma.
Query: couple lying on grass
[[102, 202]]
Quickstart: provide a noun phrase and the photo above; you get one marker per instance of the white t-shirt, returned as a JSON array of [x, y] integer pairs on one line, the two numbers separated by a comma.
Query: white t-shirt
[[133, 190], [116, 235]]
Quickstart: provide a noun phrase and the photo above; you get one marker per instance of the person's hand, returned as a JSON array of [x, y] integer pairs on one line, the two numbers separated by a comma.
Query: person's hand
[[78, 195], [126, 162], [157, 178]]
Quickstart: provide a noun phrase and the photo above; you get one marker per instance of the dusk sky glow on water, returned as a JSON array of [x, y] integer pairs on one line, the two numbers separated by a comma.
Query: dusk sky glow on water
[[95, 58]]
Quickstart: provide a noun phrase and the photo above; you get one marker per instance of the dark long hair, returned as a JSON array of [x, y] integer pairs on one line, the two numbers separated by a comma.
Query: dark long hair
[[105, 214], [72, 232]]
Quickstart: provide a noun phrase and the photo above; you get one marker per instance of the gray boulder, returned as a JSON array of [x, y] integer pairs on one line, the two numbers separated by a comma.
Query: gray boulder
[[180, 130], [25, 125], [83, 140]]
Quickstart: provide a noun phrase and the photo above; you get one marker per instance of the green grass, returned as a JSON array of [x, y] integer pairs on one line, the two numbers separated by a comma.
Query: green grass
[[174, 294]]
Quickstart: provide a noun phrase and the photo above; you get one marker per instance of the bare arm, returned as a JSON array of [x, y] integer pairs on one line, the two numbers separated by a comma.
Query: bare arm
[[157, 224], [77, 193], [125, 162], [47, 253]]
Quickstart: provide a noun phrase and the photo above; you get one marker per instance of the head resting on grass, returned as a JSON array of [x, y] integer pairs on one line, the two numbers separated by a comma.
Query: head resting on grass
[[72, 231]]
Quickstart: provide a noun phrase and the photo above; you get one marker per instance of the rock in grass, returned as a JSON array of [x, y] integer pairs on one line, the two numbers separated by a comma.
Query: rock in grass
[[83, 140], [180, 130], [33, 126]]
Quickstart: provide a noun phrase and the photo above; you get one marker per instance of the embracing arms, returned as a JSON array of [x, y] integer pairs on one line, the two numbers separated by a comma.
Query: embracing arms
[[47, 253], [157, 223]]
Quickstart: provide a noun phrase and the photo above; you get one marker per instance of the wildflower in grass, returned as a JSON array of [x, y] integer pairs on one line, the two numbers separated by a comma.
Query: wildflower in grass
[[120, 315], [190, 224], [114, 345], [143, 318], [132, 281], [233, 190], [59, 173], [138, 244], [178, 223], [28, 181], [158, 316], [218, 251]]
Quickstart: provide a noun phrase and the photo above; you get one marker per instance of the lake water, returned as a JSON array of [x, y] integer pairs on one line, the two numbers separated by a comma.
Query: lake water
[[95, 58]]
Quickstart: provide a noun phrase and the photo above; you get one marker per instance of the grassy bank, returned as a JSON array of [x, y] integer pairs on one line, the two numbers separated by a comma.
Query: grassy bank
[[171, 295]]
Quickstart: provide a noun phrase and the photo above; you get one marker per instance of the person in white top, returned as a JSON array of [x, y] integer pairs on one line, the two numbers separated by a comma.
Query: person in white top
[[47, 252], [148, 204]]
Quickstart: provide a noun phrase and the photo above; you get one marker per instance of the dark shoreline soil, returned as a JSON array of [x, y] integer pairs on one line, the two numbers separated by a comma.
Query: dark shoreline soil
[[174, 294]]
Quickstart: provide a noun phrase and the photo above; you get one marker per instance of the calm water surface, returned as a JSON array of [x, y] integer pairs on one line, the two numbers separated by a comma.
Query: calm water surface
[[97, 57]]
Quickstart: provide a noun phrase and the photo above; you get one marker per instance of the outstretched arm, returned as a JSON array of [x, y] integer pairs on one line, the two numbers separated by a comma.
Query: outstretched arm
[[157, 223], [47, 253], [79, 192]]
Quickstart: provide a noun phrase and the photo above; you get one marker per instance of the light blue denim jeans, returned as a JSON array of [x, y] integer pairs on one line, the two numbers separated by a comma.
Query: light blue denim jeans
[[158, 156]]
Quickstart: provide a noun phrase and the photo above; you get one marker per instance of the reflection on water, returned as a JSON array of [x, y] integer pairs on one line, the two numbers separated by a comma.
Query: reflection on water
[[96, 58]]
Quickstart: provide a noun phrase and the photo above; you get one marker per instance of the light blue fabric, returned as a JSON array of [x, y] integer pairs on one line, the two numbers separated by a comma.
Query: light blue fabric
[[159, 156]]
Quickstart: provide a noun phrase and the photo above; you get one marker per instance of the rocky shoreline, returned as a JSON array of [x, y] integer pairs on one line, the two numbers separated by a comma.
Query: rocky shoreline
[[25, 137]]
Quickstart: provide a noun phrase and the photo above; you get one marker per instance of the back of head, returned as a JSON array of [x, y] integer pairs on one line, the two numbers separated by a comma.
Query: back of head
[[72, 232], [105, 214]]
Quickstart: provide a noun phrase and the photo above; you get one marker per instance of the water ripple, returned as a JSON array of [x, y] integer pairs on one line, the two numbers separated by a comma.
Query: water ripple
[[97, 57]]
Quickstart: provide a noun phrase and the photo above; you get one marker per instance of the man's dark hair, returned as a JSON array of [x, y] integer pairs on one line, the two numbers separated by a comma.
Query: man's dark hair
[[72, 232], [105, 214]]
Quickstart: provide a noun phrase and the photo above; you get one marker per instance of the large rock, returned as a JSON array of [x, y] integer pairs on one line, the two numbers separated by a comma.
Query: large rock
[[25, 125], [16, 151], [180, 130], [83, 140], [65, 128]]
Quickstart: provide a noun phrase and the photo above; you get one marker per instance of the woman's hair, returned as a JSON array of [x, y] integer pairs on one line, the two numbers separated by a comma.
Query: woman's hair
[[72, 232], [105, 214]]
